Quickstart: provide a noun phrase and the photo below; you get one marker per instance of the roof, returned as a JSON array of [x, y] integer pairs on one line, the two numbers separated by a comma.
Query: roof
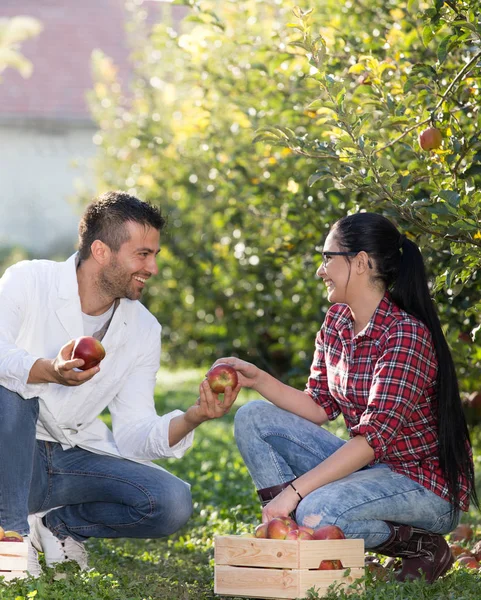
[[61, 54]]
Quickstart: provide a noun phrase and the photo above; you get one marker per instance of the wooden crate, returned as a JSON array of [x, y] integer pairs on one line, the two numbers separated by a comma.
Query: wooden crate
[[13, 559], [262, 568]]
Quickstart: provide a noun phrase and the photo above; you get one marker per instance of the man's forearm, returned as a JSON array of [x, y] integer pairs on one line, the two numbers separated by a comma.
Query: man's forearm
[[42, 372], [179, 427]]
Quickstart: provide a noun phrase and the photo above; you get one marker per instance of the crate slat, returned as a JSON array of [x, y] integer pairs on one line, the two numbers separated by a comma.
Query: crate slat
[[13, 559], [254, 582], [9, 575], [321, 580], [349, 552], [245, 552]]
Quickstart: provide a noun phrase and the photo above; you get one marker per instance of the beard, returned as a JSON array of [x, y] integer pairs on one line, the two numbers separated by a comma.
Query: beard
[[116, 282]]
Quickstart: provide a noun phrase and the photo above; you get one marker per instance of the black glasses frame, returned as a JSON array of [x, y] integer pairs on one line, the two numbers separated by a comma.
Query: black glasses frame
[[327, 255]]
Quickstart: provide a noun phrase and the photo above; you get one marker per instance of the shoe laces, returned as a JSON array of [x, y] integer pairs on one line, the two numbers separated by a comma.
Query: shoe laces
[[76, 551]]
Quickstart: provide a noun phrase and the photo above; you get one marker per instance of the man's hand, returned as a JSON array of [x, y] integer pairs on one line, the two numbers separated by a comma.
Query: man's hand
[[208, 405], [61, 369]]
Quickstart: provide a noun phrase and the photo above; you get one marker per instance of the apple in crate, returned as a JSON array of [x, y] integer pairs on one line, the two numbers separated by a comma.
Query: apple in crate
[[279, 527], [11, 536], [329, 532], [330, 565]]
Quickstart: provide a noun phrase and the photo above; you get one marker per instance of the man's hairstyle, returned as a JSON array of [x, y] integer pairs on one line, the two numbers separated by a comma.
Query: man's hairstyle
[[106, 217]]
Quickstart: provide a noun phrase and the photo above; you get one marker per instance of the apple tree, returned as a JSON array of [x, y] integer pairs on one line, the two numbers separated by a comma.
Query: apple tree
[[259, 125]]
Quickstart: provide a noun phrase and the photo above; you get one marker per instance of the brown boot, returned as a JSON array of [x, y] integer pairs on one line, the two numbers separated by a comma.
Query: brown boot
[[423, 552], [427, 553]]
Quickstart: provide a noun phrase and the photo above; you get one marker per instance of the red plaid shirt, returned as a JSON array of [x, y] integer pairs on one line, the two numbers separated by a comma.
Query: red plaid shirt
[[383, 382]]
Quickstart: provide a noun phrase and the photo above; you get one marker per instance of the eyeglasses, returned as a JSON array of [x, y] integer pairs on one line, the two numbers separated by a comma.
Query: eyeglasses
[[326, 256]]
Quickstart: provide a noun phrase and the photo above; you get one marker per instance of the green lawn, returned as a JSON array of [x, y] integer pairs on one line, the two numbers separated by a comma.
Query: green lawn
[[181, 567]]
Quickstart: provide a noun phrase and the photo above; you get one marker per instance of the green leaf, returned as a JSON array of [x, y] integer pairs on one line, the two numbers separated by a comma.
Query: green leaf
[[471, 171], [451, 197], [427, 34]]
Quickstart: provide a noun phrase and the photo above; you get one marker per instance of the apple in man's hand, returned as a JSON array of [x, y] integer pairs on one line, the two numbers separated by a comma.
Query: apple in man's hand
[[220, 376], [89, 350]]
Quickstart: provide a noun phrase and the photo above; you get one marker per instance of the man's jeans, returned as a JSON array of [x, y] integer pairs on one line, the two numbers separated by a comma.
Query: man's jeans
[[278, 446], [97, 496]]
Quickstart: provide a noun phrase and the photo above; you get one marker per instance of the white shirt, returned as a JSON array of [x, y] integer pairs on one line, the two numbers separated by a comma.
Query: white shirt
[[93, 323], [40, 312]]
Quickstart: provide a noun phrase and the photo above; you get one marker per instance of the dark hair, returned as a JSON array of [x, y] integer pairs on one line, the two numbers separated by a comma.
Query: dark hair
[[400, 267], [105, 219]]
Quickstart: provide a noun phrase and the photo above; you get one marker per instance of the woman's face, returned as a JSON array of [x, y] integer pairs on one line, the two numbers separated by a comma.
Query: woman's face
[[335, 270]]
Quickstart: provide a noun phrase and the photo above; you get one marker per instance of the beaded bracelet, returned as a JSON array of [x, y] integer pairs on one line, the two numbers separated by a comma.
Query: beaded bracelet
[[301, 498]]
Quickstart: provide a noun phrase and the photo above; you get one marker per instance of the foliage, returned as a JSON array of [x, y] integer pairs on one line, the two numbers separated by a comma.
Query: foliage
[[337, 98], [181, 567], [13, 31]]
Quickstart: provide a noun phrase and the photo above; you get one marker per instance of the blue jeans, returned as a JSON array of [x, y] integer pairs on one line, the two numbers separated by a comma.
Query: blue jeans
[[97, 496], [278, 446]]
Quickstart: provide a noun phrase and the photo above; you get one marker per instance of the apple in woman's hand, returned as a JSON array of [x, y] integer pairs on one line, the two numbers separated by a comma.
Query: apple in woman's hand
[[220, 376]]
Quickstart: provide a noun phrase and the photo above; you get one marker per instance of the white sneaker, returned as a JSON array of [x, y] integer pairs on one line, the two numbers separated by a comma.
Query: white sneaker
[[56, 551], [33, 565]]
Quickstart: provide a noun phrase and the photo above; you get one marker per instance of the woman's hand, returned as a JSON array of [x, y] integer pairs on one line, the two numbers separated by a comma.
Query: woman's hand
[[281, 506], [247, 373]]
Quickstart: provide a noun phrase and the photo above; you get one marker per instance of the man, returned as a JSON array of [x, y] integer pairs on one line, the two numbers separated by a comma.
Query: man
[[60, 463]]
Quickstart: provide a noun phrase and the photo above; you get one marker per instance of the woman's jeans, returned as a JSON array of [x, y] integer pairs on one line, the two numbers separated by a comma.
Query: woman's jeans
[[278, 446], [92, 495]]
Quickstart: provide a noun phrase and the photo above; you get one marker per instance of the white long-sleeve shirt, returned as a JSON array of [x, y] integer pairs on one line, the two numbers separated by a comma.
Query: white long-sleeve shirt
[[40, 311]]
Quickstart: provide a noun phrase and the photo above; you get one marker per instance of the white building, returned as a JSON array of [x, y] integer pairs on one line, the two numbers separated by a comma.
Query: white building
[[45, 127]]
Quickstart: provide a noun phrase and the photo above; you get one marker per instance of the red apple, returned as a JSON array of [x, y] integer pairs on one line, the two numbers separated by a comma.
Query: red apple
[[468, 561], [305, 535], [261, 531], [329, 532], [463, 532], [330, 565], [12, 536], [293, 534], [220, 376], [477, 550], [456, 550], [89, 350], [430, 139], [304, 529], [278, 528]]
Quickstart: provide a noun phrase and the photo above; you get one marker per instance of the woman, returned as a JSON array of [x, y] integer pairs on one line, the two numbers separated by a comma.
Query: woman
[[381, 360]]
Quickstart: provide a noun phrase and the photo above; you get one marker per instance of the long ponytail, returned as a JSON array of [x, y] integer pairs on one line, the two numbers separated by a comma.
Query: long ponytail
[[411, 293]]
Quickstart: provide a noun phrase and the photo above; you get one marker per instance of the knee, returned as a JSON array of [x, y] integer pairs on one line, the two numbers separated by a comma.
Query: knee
[[17, 412], [172, 509], [317, 513], [248, 417]]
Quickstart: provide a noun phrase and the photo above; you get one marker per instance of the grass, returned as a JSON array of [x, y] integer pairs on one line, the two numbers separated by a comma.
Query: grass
[[181, 566]]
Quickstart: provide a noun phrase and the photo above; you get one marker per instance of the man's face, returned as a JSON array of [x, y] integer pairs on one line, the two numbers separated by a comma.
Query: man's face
[[129, 268]]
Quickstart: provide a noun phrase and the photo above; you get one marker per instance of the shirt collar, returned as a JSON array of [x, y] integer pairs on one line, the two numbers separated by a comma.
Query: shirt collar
[[375, 326]]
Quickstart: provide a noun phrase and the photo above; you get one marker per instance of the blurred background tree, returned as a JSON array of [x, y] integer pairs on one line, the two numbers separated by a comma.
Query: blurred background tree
[[13, 32], [259, 126]]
